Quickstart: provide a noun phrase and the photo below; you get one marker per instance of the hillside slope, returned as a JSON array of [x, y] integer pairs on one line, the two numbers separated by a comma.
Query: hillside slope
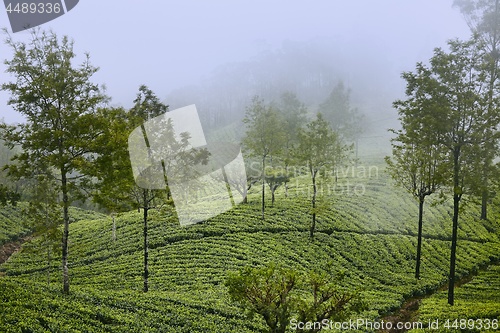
[[369, 233], [11, 223]]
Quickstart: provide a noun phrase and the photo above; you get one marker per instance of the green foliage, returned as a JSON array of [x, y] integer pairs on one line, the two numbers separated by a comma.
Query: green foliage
[[59, 103], [12, 223], [343, 118], [418, 163], [477, 302], [112, 168], [147, 105], [265, 291], [294, 116], [265, 136], [370, 237], [325, 298], [483, 18], [8, 196], [274, 179], [321, 149], [44, 219], [278, 294], [449, 110]]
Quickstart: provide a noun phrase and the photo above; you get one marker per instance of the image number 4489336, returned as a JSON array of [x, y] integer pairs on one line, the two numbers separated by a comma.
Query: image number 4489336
[[27, 14]]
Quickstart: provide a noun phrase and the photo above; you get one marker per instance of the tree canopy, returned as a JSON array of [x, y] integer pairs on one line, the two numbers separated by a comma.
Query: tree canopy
[[60, 103]]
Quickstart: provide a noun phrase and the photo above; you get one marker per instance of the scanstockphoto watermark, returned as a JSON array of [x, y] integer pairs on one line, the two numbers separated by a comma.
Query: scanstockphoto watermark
[[342, 180], [27, 14], [167, 146], [351, 171], [357, 324]]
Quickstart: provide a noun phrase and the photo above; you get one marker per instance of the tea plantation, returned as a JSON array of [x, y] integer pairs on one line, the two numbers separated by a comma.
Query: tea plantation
[[370, 234]]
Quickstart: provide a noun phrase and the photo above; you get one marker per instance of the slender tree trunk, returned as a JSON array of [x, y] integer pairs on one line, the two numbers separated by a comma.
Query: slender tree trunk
[[49, 243], [313, 223], [484, 205], [48, 265], [263, 184], [487, 162], [357, 149], [146, 250], [419, 237], [451, 282], [286, 183], [228, 187], [114, 227], [64, 186], [456, 206], [249, 186]]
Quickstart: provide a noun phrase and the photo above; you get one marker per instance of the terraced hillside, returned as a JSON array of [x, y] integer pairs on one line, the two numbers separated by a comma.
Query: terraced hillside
[[11, 224], [370, 233], [477, 308]]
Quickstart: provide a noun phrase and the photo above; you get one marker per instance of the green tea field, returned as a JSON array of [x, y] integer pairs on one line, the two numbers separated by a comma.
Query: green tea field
[[370, 235]]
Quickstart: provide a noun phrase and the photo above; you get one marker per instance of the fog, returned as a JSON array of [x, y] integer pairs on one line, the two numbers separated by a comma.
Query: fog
[[219, 53]]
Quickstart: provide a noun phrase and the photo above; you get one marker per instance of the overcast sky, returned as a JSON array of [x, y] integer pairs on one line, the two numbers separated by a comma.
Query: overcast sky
[[169, 44]]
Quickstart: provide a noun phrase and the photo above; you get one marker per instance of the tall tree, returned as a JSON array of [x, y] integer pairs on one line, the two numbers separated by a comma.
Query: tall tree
[[294, 115], [59, 103], [146, 107], [416, 165], [320, 148], [447, 98], [483, 18], [163, 144], [264, 136], [343, 117]]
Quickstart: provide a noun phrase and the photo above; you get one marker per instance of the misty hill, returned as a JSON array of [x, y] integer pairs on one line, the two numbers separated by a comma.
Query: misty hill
[[308, 69]]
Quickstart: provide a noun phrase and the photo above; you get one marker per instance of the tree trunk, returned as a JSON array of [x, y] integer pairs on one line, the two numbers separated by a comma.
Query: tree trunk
[[419, 237], [451, 282], [286, 183], [456, 206], [245, 196], [48, 265], [263, 184], [49, 242], [228, 187], [313, 223], [273, 190], [484, 205], [146, 268], [114, 227], [64, 187], [356, 156]]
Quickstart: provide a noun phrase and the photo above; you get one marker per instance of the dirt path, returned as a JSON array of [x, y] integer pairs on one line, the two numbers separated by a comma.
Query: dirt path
[[8, 249], [408, 312]]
